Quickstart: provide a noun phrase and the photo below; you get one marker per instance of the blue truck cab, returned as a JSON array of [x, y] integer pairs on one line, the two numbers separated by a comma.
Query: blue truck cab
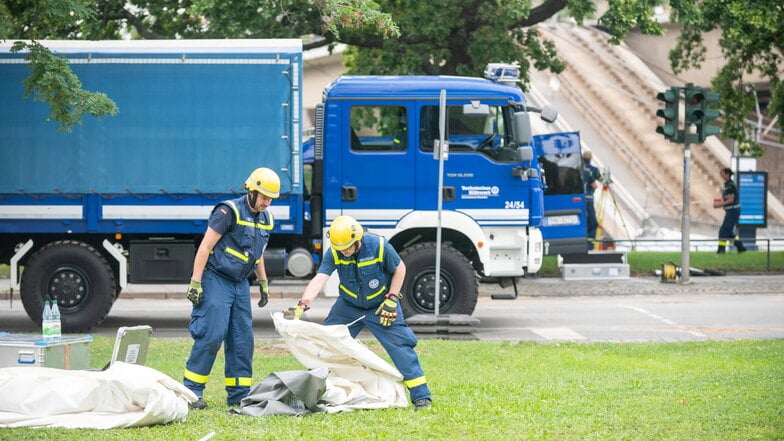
[[374, 160]]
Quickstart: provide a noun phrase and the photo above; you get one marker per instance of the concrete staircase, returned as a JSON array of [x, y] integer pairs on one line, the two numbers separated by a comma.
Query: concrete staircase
[[609, 95]]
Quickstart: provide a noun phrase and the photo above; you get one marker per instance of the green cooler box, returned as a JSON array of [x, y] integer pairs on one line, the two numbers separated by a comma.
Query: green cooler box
[[67, 352]]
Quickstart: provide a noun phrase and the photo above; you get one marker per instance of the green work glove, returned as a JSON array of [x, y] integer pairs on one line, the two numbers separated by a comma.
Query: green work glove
[[387, 310], [264, 289], [295, 312], [195, 292]]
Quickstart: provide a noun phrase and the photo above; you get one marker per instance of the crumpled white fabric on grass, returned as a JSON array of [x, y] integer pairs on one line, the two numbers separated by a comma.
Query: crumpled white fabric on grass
[[357, 379], [124, 395]]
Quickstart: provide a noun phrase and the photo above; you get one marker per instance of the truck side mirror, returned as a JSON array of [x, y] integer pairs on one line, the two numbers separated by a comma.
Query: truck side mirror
[[549, 114], [525, 154], [522, 128]]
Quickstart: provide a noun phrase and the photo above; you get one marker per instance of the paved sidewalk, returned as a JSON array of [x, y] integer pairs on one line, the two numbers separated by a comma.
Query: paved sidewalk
[[537, 287], [729, 284]]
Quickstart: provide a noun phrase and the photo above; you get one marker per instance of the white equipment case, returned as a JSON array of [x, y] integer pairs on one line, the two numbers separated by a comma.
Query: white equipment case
[[67, 352]]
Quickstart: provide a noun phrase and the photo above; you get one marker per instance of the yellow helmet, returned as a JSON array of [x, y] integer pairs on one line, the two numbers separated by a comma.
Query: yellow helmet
[[344, 232], [265, 181]]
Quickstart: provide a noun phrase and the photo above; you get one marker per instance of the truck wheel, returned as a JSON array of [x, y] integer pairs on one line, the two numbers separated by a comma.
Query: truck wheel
[[77, 276], [459, 286]]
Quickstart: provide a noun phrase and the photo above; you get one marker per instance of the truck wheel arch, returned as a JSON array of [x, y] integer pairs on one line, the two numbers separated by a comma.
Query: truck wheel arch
[[457, 228]]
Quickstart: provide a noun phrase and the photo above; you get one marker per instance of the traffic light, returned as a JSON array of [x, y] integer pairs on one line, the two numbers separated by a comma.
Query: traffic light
[[669, 129], [704, 129], [692, 109], [697, 111], [693, 97]]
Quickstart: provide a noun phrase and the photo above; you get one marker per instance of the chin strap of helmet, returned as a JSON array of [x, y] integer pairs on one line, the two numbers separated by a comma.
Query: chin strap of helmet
[[252, 197]]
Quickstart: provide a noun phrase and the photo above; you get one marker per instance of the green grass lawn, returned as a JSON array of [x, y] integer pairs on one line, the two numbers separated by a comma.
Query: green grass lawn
[[644, 263], [510, 391]]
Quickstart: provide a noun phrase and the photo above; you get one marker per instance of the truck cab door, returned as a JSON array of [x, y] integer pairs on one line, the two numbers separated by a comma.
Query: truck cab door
[[481, 177], [372, 176]]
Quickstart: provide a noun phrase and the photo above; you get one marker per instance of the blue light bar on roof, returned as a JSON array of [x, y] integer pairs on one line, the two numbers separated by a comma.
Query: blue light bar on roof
[[502, 72]]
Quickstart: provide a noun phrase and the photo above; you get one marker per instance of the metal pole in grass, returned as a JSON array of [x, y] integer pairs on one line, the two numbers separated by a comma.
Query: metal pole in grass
[[685, 212], [441, 151]]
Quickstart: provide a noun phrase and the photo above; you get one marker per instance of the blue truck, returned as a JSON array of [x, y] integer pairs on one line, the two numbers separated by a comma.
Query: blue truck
[[125, 199]]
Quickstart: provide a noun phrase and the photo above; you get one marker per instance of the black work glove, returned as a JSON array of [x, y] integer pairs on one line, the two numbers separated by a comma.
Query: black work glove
[[195, 292], [264, 290]]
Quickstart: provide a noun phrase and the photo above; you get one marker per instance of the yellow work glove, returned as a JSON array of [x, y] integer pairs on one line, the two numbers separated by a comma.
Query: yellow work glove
[[387, 310], [264, 289], [295, 312], [195, 292]]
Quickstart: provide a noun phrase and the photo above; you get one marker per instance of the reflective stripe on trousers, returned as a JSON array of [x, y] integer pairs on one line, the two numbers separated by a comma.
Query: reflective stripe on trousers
[[222, 317], [398, 340]]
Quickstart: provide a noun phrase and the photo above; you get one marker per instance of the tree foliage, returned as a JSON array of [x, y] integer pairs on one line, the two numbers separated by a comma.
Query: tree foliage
[[437, 36], [752, 42], [51, 80]]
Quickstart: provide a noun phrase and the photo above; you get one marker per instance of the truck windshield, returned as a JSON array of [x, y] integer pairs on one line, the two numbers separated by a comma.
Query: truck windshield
[[471, 128]]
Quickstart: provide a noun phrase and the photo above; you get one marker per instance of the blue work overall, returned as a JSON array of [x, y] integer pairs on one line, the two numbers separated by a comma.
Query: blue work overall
[[224, 315], [364, 280]]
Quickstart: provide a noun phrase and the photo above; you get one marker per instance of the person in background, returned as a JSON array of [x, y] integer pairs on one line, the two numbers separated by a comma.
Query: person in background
[[591, 178], [371, 277], [731, 204], [230, 252]]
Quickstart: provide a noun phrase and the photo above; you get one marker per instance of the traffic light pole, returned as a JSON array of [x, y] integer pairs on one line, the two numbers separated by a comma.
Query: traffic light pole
[[685, 229], [696, 112]]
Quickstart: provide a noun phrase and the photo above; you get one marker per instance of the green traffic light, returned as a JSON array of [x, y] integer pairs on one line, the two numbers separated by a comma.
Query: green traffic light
[[693, 109], [697, 111], [704, 129], [669, 129]]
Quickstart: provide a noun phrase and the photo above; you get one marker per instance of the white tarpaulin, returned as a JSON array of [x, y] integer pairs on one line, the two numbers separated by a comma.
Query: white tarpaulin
[[357, 379], [124, 395]]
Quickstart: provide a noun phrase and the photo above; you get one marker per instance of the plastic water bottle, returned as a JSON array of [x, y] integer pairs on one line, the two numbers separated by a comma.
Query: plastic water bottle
[[56, 323], [46, 321]]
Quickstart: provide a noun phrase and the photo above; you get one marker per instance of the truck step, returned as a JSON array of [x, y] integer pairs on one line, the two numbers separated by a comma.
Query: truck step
[[446, 324]]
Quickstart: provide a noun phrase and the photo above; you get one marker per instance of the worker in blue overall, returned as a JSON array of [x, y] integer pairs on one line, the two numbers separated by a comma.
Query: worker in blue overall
[[371, 276], [731, 204], [591, 179], [237, 234]]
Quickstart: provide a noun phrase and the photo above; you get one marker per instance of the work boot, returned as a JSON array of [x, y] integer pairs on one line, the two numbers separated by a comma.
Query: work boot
[[740, 247], [198, 404], [422, 403], [720, 250]]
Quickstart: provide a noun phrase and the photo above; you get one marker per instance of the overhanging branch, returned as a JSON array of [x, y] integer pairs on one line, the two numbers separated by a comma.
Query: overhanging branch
[[543, 12]]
